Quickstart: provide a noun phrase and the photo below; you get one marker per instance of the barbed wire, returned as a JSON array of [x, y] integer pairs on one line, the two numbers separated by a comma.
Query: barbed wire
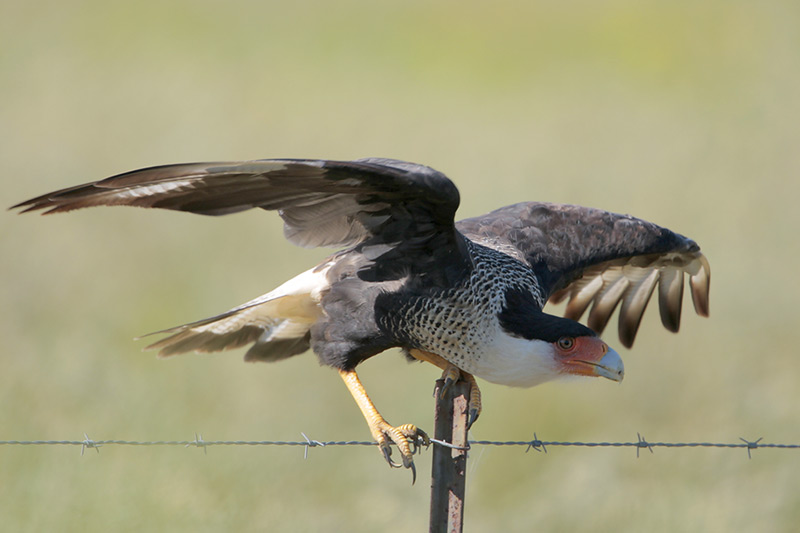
[[535, 444]]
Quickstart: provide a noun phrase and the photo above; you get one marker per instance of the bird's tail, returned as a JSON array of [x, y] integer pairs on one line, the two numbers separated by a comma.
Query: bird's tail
[[278, 323]]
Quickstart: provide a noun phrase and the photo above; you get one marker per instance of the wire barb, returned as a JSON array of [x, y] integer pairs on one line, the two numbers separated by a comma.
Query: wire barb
[[89, 443], [536, 444], [642, 443], [199, 443], [310, 443], [751, 445]]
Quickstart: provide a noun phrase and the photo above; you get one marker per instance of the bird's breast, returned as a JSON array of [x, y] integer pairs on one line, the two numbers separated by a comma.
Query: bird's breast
[[460, 323]]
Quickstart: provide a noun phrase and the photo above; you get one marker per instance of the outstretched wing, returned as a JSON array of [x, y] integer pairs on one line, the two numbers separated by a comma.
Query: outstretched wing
[[590, 256], [378, 204]]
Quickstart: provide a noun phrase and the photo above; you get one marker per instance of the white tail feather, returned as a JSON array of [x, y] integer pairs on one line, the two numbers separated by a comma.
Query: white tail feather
[[277, 322]]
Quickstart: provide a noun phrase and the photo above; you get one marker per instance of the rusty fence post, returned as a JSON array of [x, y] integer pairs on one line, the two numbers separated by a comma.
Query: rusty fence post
[[448, 474]]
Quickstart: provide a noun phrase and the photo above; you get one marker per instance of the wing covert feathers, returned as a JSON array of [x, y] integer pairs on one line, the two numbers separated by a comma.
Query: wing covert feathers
[[596, 260]]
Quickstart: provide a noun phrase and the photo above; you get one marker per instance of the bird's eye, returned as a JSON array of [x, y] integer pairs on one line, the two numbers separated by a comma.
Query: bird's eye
[[566, 343]]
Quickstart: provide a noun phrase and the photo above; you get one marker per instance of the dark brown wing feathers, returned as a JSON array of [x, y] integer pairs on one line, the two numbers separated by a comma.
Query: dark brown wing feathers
[[595, 258], [323, 203]]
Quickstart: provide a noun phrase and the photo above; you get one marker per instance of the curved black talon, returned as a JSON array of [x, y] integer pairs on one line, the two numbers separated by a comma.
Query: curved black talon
[[409, 439], [386, 450], [448, 382], [472, 417]]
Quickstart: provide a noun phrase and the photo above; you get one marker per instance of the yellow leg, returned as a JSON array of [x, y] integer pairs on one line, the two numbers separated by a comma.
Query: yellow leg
[[381, 431], [452, 374]]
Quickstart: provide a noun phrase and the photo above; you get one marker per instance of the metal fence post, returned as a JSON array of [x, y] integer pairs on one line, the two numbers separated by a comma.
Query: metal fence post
[[448, 474]]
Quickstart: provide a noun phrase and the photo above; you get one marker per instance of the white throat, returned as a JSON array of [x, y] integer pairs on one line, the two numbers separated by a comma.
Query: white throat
[[516, 362]]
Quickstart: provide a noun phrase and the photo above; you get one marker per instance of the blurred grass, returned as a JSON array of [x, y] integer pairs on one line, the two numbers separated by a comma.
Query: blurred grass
[[682, 113]]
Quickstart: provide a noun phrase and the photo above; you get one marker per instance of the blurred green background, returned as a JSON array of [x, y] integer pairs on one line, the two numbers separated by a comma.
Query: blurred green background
[[684, 113]]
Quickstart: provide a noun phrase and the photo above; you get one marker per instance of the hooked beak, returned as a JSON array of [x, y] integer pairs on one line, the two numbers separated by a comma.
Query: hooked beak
[[609, 366]]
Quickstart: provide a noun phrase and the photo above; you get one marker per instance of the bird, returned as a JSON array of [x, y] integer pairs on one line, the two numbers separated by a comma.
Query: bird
[[466, 296]]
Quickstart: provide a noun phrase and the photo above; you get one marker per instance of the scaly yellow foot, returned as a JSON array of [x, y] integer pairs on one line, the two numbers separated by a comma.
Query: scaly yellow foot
[[474, 406], [450, 375], [404, 436]]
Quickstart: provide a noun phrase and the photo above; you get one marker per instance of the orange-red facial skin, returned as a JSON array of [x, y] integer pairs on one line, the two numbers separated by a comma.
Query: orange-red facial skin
[[578, 360]]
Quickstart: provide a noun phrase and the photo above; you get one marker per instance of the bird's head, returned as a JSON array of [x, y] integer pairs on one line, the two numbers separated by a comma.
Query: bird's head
[[527, 361], [535, 347], [586, 355], [524, 362]]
